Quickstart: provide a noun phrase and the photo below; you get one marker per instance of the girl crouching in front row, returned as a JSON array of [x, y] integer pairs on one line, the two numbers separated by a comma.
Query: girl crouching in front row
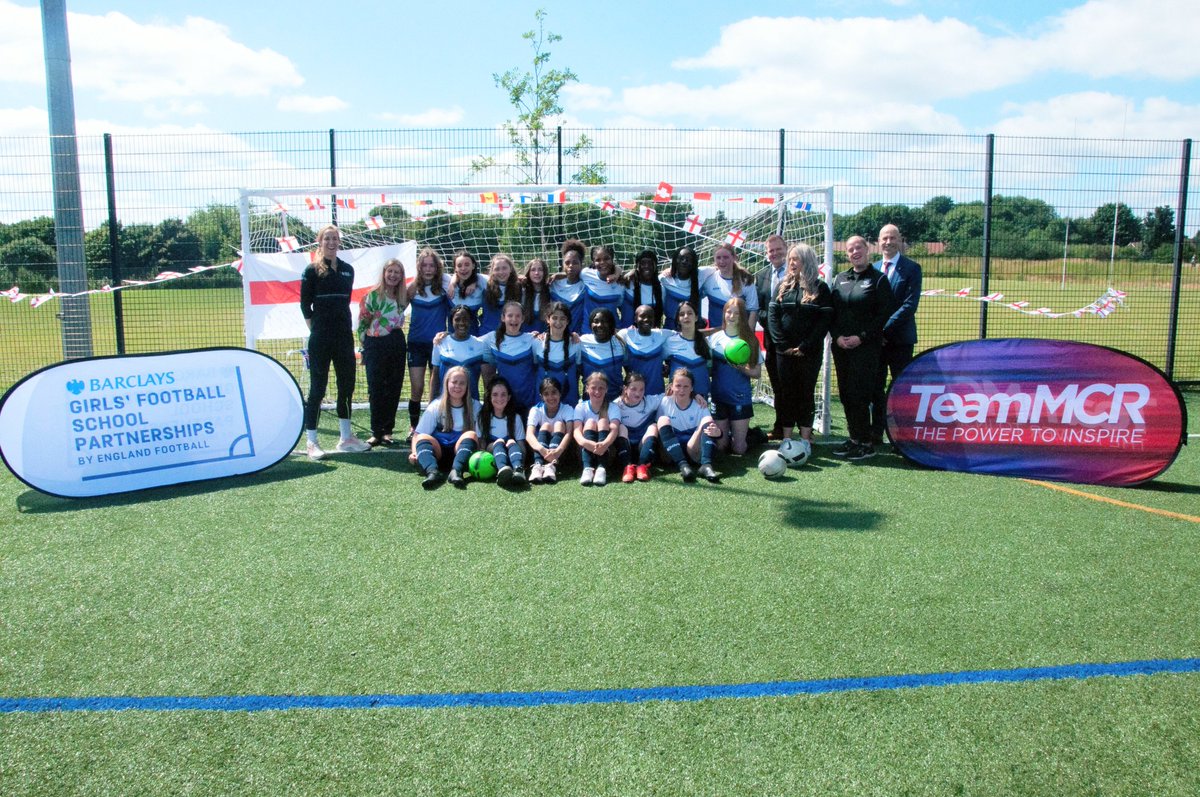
[[549, 432], [448, 432], [598, 432], [683, 417], [502, 430]]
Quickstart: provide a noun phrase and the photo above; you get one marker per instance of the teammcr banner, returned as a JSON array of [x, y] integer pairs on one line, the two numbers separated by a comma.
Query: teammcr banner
[[114, 424], [1043, 409], [271, 292]]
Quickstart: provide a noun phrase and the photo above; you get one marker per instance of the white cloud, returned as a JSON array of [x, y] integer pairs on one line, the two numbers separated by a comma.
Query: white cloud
[[1106, 38], [1094, 114], [302, 103], [433, 117], [122, 59]]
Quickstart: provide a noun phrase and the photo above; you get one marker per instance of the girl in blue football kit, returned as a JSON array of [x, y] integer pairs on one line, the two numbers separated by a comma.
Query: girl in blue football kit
[[559, 355], [643, 286], [467, 286], [503, 285], [548, 432], [427, 315], [602, 283], [688, 347], [726, 281], [598, 431], [603, 351], [732, 391], [458, 348], [567, 286], [639, 418], [448, 432], [513, 353], [681, 283], [535, 295], [646, 348], [503, 433], [683, 417]]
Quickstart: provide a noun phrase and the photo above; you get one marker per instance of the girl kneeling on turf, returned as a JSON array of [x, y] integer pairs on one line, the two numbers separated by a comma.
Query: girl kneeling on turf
[[502, 432], [548, 432], [639, 417], [448, 432], [683, 417], [598, 431]]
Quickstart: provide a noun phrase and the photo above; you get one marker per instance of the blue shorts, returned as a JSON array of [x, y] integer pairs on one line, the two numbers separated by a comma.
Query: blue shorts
[[447, 440], [732, 412], [636, 433], [419, 354]]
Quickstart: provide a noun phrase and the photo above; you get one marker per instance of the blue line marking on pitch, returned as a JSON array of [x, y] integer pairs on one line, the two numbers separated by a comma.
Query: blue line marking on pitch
[[9, 705]]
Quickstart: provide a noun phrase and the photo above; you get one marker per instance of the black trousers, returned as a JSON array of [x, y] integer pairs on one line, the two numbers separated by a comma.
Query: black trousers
[[892, 358], [857, 373], [384, 361], [327, 347], [795, 385]]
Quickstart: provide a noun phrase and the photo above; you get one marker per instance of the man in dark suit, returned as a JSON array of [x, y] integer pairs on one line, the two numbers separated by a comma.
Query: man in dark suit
[[900, 331], [766, 282]]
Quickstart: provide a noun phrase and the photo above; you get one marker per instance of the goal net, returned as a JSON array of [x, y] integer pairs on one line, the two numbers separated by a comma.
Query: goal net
[[279, 227]]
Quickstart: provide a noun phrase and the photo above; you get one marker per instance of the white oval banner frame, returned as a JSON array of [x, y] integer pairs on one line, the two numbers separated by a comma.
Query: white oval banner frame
[[108, 425]]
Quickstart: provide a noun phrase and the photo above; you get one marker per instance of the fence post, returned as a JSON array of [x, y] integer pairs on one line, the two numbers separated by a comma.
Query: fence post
[[987, 232], [1176, 279], [332, 178], [559, 136], [114, 245]]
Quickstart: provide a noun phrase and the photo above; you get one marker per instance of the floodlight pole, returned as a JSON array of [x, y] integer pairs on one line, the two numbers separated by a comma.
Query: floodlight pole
[[68, 206]]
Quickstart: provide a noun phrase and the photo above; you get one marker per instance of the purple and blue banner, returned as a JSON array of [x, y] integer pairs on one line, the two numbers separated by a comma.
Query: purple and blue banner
[[1039, 409]]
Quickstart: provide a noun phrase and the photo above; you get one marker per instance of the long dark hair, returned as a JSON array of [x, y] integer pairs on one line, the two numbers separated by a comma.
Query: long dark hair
[[655, 285], [488, 413], [699, 339], [693, 279], [558, 307], [462, 286]]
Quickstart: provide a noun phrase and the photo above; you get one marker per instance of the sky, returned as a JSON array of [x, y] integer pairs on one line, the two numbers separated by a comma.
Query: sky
[[1104, 68]]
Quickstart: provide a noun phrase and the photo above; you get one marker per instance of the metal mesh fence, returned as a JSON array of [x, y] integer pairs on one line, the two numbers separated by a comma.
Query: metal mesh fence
[[1069, 218]]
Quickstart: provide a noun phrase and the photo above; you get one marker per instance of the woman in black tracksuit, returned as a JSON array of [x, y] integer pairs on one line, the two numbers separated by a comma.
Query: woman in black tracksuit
[[798, 318], [862, 303]]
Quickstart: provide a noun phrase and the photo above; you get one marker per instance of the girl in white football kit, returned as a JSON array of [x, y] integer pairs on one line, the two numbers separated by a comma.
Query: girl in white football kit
[[639, 419], [598, 431], [448, 432], [682, 416], [503, 433], [548, 432]]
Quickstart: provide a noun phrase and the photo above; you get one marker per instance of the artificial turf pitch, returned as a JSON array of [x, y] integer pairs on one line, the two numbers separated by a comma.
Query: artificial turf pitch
[[345, 578]]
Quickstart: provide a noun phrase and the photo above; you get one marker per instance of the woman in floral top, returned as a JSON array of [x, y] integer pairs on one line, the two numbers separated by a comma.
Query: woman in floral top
[[380, 322]]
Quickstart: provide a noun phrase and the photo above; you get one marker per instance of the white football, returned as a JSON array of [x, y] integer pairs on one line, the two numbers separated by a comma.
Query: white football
[[795, 452], [771, 465]]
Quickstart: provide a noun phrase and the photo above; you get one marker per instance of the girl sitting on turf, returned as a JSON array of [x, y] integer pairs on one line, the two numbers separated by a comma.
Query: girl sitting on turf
[[598, 431], [688, 347], [733, 395], [503, 285], [502, 433], [559, 357], [682, 416], [535, 295], [603, 351], [639, 416], [458, 348], [514, 355], [448, 432], [548, 432]]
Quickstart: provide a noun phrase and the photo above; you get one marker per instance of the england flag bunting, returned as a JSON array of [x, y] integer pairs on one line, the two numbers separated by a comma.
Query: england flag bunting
[[374, 222], [647, 213], [735, 237], [288, 243], [694, 223]]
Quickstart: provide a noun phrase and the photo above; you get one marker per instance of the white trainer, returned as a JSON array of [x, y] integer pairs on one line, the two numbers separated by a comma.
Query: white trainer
[[351, 445], [588, 475], [549, 473], [601, 477], [535, 473], [315, 452]]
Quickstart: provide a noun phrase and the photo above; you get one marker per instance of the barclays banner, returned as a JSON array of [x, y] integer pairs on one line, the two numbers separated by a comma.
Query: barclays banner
[[1040, 409], [115, 424]]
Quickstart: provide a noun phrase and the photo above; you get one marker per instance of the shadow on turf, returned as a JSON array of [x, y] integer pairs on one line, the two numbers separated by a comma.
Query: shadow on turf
[[33, 502]]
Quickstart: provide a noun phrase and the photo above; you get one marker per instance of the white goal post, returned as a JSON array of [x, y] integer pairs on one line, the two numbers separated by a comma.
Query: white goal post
[[279, 224]]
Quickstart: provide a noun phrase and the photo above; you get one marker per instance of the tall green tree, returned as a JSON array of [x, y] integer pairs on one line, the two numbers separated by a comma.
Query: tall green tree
[[534, 93]]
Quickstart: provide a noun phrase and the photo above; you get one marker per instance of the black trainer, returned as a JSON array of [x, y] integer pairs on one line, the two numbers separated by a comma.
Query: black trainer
[[862, 451], [845, 449], [433, 478]]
